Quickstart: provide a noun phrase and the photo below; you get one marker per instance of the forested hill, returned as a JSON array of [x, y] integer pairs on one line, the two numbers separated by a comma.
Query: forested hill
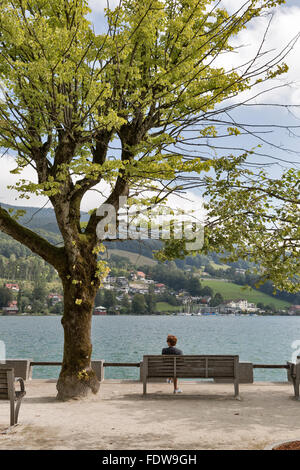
[[43, 221]]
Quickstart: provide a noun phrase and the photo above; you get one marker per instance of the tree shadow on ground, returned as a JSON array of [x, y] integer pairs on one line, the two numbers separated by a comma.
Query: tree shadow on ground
[[171, 396], [51, 399]]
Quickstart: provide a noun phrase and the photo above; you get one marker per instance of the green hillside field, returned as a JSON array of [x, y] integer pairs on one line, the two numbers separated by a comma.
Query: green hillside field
[[165, 307], [136, 259], [231, 291]]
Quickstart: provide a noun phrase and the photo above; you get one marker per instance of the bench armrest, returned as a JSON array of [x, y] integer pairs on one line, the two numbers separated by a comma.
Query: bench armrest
[[22, 384]]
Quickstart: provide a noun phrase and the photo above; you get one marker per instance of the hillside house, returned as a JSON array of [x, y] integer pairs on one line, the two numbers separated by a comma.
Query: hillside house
[[236, 306], [100, 311], [55, 298], [11, 309], [140, 275], [122, 281], [14, 287], [294, 310]]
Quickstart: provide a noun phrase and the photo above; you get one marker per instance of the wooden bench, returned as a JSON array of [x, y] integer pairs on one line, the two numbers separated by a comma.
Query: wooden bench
[[192, 367], [295, 376], [8, 392]]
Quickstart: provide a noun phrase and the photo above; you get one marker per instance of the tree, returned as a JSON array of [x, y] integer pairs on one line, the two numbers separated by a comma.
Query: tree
[[150, 299], [139, 305], [39, 292], [125, 305], [256, 217], [109, 300], [207, 291], [99, 298], [23, 302], [39, 306], [57, 308], [216, 300], [5, 296], [71, 97], [194, 286]]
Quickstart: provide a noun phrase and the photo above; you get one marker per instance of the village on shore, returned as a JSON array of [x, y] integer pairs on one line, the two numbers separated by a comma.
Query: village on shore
[[138, 294]]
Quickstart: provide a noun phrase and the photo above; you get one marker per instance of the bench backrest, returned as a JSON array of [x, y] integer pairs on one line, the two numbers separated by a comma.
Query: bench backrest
[[197, 366], [7, 388]]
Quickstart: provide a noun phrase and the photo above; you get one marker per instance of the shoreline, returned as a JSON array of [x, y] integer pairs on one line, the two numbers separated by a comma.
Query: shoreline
[[162, 314]]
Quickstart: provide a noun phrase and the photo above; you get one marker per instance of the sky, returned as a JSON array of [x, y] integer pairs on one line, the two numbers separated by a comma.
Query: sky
[[284, 27]]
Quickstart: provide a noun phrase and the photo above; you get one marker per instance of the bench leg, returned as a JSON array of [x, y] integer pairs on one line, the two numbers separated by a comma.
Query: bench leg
[[17, 410], [296, 384], [236, 390], [12, 412]]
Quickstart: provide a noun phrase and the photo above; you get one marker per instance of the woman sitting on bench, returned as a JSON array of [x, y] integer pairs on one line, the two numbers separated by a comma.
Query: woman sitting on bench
[[172, 341]]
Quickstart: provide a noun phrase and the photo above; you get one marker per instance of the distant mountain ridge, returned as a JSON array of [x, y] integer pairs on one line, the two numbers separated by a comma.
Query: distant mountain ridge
[[39, 218], [43, 220]]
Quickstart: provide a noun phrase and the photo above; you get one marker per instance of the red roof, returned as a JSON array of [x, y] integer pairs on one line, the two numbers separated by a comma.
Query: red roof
[[141, 274], [12, 286]]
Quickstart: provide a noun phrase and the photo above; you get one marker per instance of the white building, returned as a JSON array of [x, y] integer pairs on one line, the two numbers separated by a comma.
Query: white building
[[235, 306]]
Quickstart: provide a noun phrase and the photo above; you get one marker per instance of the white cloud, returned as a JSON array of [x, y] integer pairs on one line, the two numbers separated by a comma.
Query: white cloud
[[234, 5], [98, 5], [188, 201], [93, 199], [9, 196], [284, 27]]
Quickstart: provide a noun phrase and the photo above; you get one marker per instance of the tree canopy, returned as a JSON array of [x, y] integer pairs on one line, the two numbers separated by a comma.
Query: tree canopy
[[256, 217], [73, 97]]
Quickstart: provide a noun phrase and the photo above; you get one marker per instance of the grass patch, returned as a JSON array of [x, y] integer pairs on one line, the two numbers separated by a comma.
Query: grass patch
[[214, 265], [165, 307], [229, 291]]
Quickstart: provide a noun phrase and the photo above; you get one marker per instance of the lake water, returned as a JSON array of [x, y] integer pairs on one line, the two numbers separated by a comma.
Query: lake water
[[127, 338]]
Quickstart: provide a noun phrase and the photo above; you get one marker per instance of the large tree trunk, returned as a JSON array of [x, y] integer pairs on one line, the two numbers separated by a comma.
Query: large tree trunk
[[77, 379]]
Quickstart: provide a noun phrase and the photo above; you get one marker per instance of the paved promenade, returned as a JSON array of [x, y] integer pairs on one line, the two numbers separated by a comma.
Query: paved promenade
[[205, 416]]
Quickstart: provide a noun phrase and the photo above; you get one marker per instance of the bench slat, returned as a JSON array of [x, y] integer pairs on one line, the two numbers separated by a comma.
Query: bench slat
[[189, 356], [8, 392]]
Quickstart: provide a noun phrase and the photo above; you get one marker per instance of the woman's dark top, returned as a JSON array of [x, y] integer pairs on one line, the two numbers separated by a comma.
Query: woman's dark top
[[172, 350]]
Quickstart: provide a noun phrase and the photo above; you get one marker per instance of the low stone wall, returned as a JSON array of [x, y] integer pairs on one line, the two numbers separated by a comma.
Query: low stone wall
[[23, 369], [96, 365], [98, 368]]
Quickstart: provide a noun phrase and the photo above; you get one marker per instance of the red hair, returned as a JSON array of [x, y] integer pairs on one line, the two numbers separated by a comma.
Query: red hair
[[172, 340]]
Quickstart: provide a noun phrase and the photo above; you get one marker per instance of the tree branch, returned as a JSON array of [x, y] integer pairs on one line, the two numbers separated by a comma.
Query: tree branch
[[32, 240]]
